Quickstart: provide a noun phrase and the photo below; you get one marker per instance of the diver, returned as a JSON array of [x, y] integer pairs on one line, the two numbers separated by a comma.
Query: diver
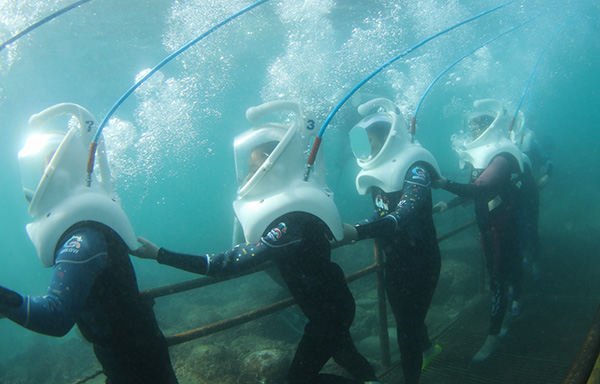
[[85, 236], [494, 186], [290, 222], [397, 172], [537, 160]]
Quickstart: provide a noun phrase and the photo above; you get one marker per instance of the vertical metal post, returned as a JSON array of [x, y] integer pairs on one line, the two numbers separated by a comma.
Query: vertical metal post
[[384, 339], [581, 371], [595, 375]]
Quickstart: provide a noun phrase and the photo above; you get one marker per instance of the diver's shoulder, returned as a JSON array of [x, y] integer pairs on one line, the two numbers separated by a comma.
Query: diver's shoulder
[[81, 244]]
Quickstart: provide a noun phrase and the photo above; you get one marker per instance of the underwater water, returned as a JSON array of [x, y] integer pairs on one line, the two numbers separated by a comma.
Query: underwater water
[[170, 142]]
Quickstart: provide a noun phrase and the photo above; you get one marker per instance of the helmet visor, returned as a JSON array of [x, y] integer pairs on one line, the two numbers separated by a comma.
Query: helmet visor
[[252, 149], [368, 137], [478, 123], [34, 158]]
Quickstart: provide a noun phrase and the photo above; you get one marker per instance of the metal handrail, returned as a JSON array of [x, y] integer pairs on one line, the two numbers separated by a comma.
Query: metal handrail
[[252, 315], [206, 281], [376, 267], [282, 304], [585, 369]]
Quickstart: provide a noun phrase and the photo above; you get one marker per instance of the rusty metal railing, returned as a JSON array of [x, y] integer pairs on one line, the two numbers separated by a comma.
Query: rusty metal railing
[[585, 369], [180, 338], [376, 267]]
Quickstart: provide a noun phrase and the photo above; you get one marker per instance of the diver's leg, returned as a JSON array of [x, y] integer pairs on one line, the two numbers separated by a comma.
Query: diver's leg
[[409, 308], [316, 347], [348, 357], [498, 290]]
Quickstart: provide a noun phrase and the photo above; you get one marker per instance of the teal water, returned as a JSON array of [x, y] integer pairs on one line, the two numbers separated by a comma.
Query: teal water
[[170, 143]]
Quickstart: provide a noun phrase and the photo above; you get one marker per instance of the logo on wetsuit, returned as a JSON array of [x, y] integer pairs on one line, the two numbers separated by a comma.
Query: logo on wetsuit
[[475, 173], [419, 174], [382, 203], [276, 233], [73, 244]]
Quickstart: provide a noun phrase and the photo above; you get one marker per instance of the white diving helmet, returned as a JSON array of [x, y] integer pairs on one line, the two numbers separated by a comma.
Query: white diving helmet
[[270, 160], [521, 136], [54, 176], [383, 148], [485, 135], [525, 142]]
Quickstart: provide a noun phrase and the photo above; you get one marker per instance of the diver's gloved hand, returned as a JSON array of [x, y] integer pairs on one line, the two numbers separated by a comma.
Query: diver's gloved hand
[[10, 298], [440, 207], [543, 181], [439, 183], [148, 250], [350, 236]]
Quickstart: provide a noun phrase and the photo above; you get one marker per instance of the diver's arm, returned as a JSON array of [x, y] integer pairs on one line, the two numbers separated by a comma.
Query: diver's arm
[[9, 301], [235, 260], [78, 263], [465, 191], [10, 298], [488, 184], [191, 263], [417, 186]]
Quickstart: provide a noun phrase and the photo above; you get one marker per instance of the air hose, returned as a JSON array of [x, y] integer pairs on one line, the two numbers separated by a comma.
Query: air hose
[[318, 139], [94, 144], [414, 118], [42, 22]]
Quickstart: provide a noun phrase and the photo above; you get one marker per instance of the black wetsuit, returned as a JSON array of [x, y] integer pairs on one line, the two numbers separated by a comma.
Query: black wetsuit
[[496, 195], [298, 244], [403, 226], [94, 285]]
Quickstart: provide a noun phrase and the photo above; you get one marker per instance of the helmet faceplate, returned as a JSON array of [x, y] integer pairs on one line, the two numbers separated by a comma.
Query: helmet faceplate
[[391, 155]]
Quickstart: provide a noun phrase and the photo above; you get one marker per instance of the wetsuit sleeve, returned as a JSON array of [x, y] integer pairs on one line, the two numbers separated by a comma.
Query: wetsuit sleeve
[[487, 185], [78, 263], [235, 260], [10, 298], [417, 186]]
